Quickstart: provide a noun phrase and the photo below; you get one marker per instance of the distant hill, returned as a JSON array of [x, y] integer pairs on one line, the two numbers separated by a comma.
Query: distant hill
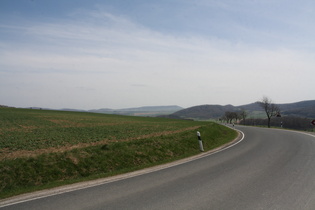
[[304, 109], [141, 111], [204, 111], [300, 109], [151, 111], [251, 107]]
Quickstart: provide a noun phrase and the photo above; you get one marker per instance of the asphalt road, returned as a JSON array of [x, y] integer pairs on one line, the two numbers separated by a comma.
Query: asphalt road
[[269, 169]]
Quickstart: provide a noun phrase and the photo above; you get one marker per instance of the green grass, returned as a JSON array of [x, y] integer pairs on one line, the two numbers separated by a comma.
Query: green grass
[[257, 115], [91, 146]]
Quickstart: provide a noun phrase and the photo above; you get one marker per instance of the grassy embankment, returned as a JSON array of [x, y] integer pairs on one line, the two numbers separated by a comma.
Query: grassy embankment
[[41, 149]]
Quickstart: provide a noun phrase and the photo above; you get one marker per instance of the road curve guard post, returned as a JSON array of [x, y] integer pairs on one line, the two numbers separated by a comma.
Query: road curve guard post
[[200, 141]]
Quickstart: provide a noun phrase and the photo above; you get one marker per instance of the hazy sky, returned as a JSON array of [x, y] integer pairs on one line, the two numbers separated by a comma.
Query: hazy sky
[[120, 54]]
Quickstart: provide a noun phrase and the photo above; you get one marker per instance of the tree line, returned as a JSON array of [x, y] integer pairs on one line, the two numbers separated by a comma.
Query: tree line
[[234, 116]]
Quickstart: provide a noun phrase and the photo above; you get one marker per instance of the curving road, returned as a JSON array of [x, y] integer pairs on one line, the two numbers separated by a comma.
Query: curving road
[[269, 169]]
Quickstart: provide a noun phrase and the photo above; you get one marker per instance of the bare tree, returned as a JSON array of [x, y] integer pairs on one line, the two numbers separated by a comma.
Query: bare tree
[[230, 116], [270, 108]]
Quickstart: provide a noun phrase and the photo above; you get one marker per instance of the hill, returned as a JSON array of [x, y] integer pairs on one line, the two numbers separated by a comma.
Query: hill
[[141, 111], [204, 111], [300, 109], [305, 109], [151, 111]]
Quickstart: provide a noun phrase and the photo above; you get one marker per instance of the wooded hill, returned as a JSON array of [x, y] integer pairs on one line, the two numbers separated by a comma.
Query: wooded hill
[[304, 109]]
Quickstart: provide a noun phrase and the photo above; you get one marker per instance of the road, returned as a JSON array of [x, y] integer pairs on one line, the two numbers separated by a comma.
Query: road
[[269, 169]]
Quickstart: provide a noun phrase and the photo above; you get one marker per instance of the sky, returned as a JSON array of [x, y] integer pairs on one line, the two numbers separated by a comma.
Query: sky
[[131, 53]]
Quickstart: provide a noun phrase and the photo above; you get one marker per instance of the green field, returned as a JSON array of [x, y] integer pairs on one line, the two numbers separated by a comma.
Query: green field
[[256, 115], [41, 149]]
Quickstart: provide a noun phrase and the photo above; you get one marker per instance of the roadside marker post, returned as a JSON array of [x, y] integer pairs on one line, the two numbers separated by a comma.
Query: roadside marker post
[[200, 141]]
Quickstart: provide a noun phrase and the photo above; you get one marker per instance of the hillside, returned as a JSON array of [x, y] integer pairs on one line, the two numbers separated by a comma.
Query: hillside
[[305, 109], [151, 111], [141, 111], [204, 111], [300, 109]]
